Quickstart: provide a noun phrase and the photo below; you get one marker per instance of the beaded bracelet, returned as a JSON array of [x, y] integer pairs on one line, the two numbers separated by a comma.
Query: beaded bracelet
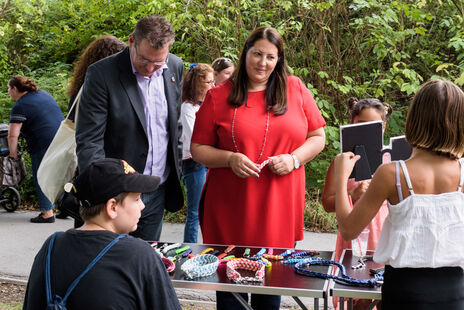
[[343, 279], [245, 264], [288, 252], [200, 266], [272, 257], [169, 264]]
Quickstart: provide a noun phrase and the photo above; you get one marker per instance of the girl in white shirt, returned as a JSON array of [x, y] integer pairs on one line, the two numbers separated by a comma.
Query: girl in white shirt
[[198, 80], [422, 240]]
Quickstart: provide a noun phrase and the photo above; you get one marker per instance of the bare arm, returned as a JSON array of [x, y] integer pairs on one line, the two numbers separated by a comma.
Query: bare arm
[[315, 141], [352, 221], [328, 194], [213, 157], [13, 135]]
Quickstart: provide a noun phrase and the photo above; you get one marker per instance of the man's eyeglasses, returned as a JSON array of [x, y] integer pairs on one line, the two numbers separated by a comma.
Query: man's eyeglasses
[[146, 61]]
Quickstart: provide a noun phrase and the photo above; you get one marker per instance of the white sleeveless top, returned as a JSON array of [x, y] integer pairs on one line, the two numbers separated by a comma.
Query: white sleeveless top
[[423, 230]]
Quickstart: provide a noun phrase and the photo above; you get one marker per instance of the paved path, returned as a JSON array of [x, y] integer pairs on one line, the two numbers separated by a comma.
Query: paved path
[[20, 240]]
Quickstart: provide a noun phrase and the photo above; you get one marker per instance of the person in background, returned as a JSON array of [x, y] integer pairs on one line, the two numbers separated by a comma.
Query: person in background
[[99, 48], [130, 275], [255, 132], [422, 238], [37, 117], [197, 81], [364, 110], [223, 69], [130, 109]]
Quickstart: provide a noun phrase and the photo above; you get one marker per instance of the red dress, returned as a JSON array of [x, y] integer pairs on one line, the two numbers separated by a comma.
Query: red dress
[[265, 211]]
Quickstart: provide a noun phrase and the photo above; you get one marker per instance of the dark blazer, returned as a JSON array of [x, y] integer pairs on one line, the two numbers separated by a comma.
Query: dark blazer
[[111, 118]]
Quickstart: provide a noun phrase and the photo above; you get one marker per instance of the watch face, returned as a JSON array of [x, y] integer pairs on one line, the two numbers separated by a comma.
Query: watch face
[[296, 163]]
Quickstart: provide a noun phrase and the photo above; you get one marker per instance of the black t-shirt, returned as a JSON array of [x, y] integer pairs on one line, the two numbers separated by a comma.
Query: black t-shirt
[[129, 276]]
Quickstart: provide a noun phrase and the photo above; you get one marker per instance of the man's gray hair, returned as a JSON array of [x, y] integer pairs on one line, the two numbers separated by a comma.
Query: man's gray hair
[[156, 29]]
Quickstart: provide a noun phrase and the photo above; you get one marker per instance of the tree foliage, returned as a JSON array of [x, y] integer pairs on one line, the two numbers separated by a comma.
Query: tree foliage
[[362, 48]]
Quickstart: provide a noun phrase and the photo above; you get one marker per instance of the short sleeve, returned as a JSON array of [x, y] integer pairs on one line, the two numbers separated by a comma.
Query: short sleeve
[[310, 108], [17, 114], [204, 131]]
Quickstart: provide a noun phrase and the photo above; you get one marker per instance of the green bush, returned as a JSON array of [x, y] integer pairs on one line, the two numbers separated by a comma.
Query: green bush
[[362, 48]]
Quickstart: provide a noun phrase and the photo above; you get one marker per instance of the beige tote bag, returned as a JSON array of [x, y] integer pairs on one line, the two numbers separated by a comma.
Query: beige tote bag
[[60, 161]]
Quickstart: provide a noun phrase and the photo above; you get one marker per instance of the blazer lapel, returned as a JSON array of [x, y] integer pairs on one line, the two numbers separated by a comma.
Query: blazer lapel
[[129, 84], [170, 84]]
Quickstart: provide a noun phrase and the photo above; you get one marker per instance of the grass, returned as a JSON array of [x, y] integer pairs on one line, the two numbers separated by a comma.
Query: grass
[[11, 306]]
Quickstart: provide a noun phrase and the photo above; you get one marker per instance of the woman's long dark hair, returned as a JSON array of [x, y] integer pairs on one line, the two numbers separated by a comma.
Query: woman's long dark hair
[[276, 88]]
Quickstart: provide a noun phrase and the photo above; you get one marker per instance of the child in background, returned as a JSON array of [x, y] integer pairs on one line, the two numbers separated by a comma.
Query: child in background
[[198, 80], [422, 239], [364, 110], [223, 69]]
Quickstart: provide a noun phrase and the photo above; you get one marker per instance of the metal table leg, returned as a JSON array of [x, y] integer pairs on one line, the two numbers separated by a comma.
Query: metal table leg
[[316, 303], [242, 301], [326, 307], [350, 303], [342, 303], [373, 304], [299, 302]]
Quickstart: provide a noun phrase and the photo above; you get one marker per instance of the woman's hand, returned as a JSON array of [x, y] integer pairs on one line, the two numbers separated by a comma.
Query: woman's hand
[[281, 164], [344, 164], [242, 166], [357, 192]]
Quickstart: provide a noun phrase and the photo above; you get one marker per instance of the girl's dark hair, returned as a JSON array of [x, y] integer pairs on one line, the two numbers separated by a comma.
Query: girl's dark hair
[[99, 48], [23, 84], [435, 120], [355, 107], [222, 63], [276, 88], [195, 73]]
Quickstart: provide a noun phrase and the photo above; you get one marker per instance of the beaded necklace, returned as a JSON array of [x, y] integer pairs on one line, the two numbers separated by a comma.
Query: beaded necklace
[[343, 279], [265, 135]]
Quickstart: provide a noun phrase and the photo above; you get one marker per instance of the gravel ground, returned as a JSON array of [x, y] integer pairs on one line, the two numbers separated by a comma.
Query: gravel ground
[[12, 294]]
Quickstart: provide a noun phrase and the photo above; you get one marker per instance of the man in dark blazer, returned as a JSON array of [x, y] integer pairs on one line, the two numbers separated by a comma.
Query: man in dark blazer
[[129, 109]]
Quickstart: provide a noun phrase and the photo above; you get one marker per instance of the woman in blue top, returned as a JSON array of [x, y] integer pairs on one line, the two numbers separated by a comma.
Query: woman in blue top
[[36, 116]]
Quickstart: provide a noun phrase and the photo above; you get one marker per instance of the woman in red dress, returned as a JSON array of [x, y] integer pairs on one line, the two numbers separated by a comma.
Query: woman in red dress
[[261, 114]]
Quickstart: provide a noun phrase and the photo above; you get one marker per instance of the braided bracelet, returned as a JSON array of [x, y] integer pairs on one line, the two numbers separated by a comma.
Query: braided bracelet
[[169, 264], [245, 264], [171, 247], [343, 279], [200, 266]]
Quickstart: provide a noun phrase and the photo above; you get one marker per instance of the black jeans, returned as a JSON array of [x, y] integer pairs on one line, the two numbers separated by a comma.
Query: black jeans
[[151, 222], [227, 301]]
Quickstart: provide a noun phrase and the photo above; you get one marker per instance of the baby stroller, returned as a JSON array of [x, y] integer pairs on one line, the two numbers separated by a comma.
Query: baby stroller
[[9, 196]]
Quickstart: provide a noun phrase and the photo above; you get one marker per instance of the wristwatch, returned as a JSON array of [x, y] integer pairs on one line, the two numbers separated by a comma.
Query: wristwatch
[[296, 162]]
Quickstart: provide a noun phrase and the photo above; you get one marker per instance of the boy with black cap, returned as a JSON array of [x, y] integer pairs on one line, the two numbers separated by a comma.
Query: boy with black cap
[[128, 274]]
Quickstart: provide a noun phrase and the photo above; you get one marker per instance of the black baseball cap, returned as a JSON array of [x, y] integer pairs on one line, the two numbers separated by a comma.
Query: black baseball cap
[[109, 177]]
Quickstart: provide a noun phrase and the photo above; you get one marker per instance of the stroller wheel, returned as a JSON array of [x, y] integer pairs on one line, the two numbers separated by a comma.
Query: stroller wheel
[[10, 199]]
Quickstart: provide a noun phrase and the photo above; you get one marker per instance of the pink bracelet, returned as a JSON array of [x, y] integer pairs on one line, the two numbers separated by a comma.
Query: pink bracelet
[[169, 264], [245, 264]]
